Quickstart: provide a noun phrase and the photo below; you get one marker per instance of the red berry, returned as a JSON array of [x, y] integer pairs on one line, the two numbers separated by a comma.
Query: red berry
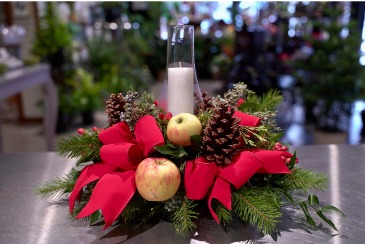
[[278, 144], [168, 115], [284, 148], [81, 131], [287, 160], [161, 115], [155, 102], [240, 101], [95, 129]]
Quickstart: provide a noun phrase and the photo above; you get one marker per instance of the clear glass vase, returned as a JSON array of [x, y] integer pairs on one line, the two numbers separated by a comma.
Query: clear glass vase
[[180, 92]]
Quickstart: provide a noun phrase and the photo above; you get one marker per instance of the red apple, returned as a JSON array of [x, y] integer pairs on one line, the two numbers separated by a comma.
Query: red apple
[[157, 179], [181, 127]]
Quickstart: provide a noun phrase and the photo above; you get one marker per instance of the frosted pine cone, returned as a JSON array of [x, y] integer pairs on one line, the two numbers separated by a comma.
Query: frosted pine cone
[[114, 108]]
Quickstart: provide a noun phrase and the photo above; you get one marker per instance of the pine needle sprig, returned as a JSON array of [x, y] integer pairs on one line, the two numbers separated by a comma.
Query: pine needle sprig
[[224, 215], [302, 180], [60, 186], [84, 199], [259, 206], [134, 209], [267, 102], [86, 147], [183, 218], [78, 207]]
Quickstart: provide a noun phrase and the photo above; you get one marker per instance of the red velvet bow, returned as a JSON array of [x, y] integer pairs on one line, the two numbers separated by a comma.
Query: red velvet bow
[[120, 154], [218, 179]]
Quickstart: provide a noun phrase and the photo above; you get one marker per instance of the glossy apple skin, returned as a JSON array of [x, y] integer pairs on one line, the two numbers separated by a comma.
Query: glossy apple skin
[[181, 127], [157, 179]]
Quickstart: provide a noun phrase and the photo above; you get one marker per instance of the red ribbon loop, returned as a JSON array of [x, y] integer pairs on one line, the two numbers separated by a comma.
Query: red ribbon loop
[[219, 179], [122, 155], [117, 133], [121, 151], [148, 134]]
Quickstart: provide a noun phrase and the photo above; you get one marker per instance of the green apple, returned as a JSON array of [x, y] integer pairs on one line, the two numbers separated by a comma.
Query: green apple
[[157, 179], [181, 127]]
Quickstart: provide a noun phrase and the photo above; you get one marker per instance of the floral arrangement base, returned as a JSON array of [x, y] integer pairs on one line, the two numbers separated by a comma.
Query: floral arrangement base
[[225, 160]]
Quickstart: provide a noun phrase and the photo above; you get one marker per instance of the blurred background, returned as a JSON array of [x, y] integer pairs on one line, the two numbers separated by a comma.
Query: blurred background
[[313, 52]]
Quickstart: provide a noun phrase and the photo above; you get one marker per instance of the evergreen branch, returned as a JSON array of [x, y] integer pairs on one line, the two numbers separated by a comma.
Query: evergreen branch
[[60, 186], [267, 102], [84, 199], [258, 206], [78, 207], [183, 217], [301, 180], [86, 147], [224, 215], [135, 208]]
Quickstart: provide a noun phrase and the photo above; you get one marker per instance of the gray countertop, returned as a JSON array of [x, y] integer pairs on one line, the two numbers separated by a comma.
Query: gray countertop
[[24, 218]]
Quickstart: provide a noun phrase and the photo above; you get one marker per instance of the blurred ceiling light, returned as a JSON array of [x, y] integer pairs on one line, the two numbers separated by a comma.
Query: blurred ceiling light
[[127, 25], [113, 26], [362, 60], [218, 34], [272, 18], [204, 26], [185, 19], [291, 33], [135, 25], [98, 25]]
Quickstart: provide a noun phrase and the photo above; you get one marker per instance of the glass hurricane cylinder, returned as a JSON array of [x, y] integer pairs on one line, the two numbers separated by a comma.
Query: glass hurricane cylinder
[[181, 91]]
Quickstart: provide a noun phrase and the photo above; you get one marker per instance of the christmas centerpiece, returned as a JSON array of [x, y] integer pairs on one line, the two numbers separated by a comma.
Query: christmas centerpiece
[[171, 159], [148, 163]]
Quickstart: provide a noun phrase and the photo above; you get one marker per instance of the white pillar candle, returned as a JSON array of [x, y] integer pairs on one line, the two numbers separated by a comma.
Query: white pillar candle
[[180, 91]]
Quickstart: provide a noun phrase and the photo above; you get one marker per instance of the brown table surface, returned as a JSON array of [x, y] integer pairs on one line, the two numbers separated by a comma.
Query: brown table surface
[[25, 218]]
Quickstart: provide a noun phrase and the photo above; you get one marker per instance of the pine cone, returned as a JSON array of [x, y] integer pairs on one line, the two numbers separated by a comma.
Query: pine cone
[[221, 137], [205, 104], [114, 107]]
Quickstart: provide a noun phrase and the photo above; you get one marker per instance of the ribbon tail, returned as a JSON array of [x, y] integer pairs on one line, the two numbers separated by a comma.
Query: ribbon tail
[[222, 192], [88, 174], [111, 195]]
